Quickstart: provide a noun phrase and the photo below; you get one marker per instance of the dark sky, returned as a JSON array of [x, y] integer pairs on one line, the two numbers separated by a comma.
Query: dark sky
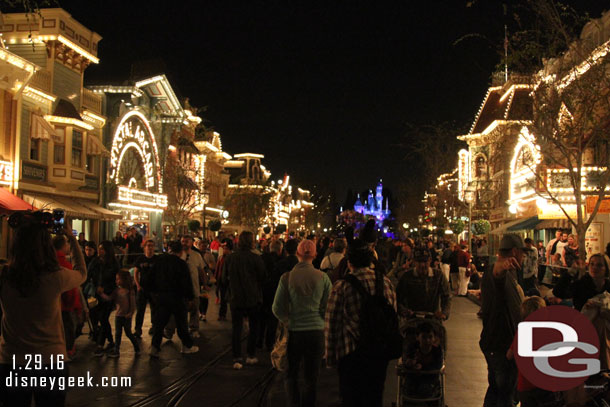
[[323, 89]]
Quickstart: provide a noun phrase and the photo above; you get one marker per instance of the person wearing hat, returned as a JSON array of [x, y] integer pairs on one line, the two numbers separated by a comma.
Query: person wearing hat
[[501, 298], [423, 289]]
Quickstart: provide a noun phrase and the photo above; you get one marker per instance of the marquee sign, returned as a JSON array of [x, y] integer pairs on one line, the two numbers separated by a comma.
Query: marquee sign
[[135, 132]]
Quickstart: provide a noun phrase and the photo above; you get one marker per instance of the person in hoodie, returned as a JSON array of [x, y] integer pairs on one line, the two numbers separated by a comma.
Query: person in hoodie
[[300, 303], [71, 306]]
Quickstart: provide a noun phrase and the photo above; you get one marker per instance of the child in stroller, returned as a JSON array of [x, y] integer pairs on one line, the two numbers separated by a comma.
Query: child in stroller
[[421, 371]]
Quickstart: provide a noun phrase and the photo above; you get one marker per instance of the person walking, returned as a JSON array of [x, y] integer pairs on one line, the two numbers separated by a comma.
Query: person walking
[[125, 299], [330, 262], [30, 289], [171, 292], [143, 278], [361, 376], [267, 319], [423, 289], [300, 303], [71, 306], [501, 298], [244, 273], [464, 270], [222, 286], [530, 269], [105, 268], [196, 269]]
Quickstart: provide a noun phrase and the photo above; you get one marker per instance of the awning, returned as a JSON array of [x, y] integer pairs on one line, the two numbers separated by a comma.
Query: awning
[[95, 146], [41, 129], [106, 214], [10, 203], [73, 209], [527, 224], [554, 224], [516, 225]]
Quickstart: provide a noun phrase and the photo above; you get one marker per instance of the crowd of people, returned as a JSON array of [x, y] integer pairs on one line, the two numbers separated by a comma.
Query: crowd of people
[[321, 291]]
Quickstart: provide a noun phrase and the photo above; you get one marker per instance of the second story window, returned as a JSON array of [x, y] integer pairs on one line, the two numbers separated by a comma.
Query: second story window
[[59, 146], [77, 148], [35, 149]]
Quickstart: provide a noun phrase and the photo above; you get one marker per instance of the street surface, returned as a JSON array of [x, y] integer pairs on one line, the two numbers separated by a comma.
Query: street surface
[[207, 378]]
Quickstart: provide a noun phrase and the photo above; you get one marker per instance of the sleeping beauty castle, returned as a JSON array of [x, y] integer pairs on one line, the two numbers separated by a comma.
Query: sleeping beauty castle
[[373, 206]]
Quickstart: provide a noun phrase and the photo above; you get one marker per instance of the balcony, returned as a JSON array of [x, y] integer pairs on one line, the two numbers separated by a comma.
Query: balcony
[[92, 101], [42, 81]]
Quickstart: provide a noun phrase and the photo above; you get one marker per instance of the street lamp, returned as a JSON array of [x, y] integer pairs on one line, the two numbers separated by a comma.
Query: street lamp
[[469, 194], [205, 199]]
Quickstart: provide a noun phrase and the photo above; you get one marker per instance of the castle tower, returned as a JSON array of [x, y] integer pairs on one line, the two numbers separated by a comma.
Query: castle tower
[[379, 196]]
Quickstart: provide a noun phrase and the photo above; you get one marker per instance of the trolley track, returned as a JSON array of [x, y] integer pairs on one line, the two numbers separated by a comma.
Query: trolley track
[[177, 392]]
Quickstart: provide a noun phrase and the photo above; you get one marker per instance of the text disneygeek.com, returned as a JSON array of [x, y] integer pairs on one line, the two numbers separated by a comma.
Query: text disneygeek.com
[[19, 380]]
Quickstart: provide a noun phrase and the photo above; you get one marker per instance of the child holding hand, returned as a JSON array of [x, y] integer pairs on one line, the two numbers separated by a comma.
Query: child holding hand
[[125, 300]]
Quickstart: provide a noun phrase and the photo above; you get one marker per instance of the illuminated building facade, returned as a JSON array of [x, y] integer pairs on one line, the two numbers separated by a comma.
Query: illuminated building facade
[[58, 154], [142, 118]]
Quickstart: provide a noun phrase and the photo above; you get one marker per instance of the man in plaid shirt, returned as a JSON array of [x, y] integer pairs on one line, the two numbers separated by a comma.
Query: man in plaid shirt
[[361, 376]]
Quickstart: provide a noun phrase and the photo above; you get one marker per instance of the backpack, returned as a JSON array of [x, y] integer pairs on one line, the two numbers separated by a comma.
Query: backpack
[[379, 334]]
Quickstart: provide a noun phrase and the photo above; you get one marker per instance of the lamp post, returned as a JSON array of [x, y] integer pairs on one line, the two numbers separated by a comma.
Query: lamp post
[[205, 198], [469, 196]]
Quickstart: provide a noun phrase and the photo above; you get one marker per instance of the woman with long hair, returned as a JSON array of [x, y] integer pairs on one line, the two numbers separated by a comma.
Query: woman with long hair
[[30, 289], [103, 272]]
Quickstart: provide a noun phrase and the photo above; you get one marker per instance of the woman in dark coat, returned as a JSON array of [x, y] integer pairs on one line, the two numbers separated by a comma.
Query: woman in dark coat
[[103, 273]]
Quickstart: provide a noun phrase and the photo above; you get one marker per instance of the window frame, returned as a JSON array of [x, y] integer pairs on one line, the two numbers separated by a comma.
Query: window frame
[[79, 149], [57, 144]]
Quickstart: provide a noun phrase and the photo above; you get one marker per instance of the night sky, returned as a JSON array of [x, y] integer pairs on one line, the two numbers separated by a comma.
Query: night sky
[[322, 89]]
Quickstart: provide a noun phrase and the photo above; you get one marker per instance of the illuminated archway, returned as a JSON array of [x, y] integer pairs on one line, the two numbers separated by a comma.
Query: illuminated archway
[[134, 132], [523, 167]]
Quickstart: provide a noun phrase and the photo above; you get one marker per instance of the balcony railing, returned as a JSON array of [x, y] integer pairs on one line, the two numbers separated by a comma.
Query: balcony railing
[[42, 81], [92, 101]]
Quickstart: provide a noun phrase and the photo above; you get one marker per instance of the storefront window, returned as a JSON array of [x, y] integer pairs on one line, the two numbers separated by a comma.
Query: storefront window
[[77, 148]]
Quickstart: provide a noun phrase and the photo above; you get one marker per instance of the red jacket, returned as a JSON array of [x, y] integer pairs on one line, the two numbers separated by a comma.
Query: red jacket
[[70, 300]]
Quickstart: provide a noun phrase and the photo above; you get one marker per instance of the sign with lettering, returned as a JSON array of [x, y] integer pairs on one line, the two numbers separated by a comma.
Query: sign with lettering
[[134, 132], [34, 172], [604, 207]]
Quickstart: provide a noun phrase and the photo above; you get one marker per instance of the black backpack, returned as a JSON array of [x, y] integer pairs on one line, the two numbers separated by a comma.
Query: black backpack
[[379, 334]]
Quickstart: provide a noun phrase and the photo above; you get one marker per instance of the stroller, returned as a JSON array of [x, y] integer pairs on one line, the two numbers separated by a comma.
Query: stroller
[[419, 387]]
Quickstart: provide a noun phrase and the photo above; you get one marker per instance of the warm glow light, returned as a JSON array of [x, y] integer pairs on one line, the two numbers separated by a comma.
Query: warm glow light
[[6, 172], [43, 97], [67, 120], [78, 49]]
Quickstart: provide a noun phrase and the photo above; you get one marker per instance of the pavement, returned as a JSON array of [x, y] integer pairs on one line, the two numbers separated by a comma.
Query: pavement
[[207, 378]]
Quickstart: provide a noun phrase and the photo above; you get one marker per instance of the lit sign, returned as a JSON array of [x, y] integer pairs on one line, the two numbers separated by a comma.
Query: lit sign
[[134, 132], [463, 172], [523, 166], [549, 210], [6, 172], [142, 198]]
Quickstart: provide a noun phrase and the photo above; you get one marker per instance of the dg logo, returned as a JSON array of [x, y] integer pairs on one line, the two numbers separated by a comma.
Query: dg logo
[[557, 348]]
